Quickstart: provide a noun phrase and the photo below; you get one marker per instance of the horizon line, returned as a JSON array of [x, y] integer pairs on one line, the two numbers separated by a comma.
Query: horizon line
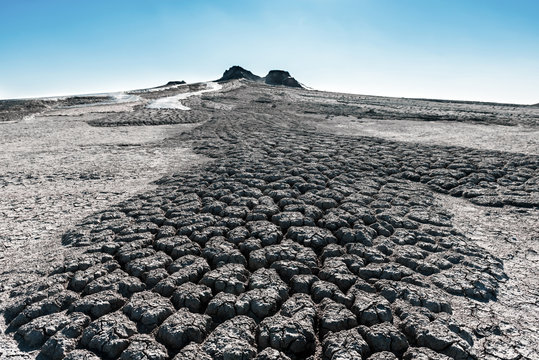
[[420, 98]]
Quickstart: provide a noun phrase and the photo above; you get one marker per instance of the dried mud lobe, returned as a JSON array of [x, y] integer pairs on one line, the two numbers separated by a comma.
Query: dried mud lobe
[[143, 116], [15, 110], [290, 245]]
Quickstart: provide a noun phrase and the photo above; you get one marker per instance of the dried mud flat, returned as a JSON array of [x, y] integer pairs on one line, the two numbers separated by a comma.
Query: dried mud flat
[[271, 223]]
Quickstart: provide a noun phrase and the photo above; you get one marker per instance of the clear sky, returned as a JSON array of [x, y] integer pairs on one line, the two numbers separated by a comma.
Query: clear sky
[[453, 49]]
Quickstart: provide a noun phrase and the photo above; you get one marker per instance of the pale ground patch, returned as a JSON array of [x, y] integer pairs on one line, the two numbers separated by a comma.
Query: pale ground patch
[[173, 102], [516, 139], [510, 234]]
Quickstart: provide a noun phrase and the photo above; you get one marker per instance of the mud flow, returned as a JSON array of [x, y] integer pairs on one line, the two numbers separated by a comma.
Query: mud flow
[[269, 222]]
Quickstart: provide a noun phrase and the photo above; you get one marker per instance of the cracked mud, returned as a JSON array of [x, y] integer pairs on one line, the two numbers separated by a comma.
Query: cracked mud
[[298, 242]]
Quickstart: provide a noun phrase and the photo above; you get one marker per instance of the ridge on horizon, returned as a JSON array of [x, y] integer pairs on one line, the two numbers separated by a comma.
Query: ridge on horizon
[[274, 77]]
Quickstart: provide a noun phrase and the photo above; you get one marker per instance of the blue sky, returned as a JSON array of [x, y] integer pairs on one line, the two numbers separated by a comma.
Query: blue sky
[[454, 49]]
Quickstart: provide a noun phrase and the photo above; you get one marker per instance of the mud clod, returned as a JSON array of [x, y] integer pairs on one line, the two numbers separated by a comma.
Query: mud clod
[[183, 327]]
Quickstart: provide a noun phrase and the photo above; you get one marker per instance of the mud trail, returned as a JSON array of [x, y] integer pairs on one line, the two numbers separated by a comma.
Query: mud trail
[[296, 242]]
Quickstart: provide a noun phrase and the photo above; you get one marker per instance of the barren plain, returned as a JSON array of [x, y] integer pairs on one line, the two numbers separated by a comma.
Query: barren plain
[[268, 222]]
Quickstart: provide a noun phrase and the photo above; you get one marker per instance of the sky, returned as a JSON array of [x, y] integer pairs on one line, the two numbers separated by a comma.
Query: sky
[[485, 50]]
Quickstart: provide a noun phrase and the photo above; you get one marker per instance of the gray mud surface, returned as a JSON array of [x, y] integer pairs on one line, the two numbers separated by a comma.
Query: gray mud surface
[[517, 139], [272, 223]]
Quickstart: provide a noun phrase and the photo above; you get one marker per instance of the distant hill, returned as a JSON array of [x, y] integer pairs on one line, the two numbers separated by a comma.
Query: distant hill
[[171, 83], [237, 72], [281, 77], [274, 77]]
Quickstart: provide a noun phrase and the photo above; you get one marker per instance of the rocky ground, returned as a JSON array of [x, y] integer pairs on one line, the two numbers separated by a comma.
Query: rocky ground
[[271, 223]]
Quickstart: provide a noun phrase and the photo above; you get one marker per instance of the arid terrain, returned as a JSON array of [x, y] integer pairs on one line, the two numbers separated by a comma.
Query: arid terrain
[[251, 218]]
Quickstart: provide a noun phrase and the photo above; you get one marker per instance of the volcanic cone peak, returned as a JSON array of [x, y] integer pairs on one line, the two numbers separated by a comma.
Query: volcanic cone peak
[[281, 77], [237, 72], [274, 77]]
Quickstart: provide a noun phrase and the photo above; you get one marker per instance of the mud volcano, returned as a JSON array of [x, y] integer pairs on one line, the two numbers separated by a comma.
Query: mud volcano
[[295, 236]]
